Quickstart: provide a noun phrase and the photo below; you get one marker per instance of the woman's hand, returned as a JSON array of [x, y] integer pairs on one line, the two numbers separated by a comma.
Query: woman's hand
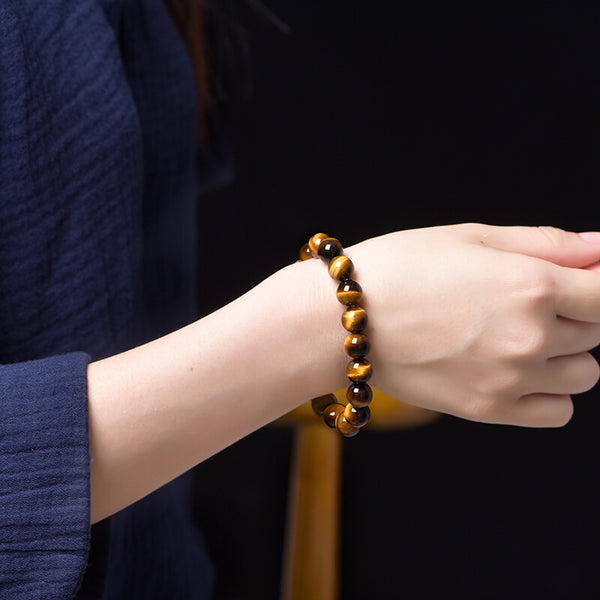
[[487, 323]]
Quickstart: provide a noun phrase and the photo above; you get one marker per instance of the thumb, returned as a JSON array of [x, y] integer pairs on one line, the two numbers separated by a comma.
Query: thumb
[[561, 247]]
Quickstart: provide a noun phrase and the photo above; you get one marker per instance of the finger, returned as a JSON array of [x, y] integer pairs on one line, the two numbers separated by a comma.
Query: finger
[[543, 410], [576, 294], [567, 375], [555, 245], [572, 337]]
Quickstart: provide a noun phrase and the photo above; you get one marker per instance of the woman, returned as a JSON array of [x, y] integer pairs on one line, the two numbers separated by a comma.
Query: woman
[[110, 389]]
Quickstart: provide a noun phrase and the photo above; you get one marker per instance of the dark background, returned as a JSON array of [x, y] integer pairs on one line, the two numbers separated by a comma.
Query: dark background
[[376, 116]]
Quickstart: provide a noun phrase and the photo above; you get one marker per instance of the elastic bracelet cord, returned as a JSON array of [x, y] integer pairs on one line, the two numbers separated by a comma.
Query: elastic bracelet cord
[[350, 418]]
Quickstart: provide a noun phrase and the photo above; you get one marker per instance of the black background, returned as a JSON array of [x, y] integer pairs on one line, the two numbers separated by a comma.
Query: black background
[[376, 116]]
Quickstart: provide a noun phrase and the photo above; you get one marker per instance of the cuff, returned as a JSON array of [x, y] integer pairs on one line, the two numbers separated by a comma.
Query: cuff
[[44, 477]]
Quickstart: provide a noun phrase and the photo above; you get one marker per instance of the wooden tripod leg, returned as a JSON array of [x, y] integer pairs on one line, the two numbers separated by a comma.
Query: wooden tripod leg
[[311, 559]]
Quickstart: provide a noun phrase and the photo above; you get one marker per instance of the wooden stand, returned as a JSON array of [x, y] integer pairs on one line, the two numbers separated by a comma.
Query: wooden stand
[[311, 563], [310, 568]]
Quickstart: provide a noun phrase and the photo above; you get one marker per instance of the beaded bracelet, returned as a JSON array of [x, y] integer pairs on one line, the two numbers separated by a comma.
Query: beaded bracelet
[[347, 419]]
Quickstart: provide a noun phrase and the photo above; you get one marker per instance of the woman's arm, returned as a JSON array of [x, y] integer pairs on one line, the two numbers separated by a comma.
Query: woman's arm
[[161, 408], [487, 323]]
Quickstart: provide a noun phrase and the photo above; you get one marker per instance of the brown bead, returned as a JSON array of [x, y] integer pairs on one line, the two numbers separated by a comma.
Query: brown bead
[[315, 242], [349, 292], [359, 370], [332, 412], [354, 319], [345, 427], [318, 404], [359, 394], [305, 253], [357, 345], [329, 248], [357, 416], [341, 268]]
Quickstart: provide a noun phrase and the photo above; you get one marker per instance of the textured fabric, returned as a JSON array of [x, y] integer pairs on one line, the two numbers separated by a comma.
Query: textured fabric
[[44, 500], [98, 187]]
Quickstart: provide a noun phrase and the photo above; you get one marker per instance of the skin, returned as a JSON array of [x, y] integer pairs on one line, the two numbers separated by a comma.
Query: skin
[[492, 324]]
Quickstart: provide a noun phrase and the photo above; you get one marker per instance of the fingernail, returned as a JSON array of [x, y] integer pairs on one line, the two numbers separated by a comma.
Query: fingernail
[[591, 236]]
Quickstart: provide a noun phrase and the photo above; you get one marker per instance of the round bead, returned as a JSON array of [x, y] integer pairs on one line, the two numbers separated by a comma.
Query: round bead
[[319, 404], [354, 319], [305, 253], [357, 416], [315, 242], [345, 427], [359, 370], [357, 345], [359, 394], [332, 412], [329, 248], [341, 268], [349, 292]]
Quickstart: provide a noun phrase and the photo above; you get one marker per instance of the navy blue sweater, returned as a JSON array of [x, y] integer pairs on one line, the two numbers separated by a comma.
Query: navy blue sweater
[[99, 177]]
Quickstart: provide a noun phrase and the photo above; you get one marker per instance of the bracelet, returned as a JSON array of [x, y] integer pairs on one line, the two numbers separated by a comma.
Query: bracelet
[[350, 418]]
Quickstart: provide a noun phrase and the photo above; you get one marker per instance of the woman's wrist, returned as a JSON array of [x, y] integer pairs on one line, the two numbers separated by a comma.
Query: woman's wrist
[[311, 327], [159, 409]]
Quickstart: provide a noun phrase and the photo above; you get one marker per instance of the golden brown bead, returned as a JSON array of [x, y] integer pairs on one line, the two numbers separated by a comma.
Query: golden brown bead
[[318, 404], [357, 416], [349, 419], [332, 412], [354, 319], [329, 248], [359, 394], [315, 242], [359, 370], [345, 427], [357, 345], [341, 267], [305, 253], [349, 292]]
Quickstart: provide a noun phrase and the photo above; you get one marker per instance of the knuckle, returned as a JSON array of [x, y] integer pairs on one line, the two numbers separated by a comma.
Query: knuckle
[[535, 286], [543, 288], [528, 343], [538, 282], [557, 237], [506, 381], [534, 343]]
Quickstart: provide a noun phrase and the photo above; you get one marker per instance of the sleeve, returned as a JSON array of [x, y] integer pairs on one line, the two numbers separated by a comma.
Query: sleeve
[[44, 477]]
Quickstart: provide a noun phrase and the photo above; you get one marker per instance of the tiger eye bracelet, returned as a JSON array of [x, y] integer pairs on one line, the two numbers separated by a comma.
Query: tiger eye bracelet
[[350, 418]]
